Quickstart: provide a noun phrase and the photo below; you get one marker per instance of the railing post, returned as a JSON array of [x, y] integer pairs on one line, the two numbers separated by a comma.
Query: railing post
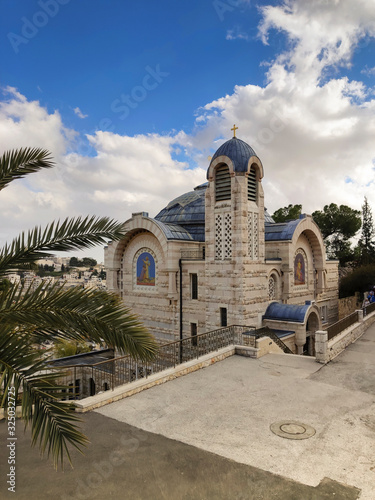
[[321, 346], [360, 315]]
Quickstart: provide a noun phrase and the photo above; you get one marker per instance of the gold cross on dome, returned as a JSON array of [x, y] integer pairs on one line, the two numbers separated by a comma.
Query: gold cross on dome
[[234, 130]]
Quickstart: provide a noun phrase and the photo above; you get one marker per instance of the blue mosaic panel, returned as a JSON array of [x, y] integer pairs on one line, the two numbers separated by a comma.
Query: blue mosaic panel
[[146, 270]]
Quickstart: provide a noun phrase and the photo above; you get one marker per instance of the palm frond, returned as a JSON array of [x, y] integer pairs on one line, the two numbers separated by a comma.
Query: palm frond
[[53, 422], [16, 164], [55, 313], [71, 234], [28, 316]]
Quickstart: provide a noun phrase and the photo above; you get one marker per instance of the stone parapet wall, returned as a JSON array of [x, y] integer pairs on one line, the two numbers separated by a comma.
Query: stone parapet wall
[[127, 390], [326, 350]]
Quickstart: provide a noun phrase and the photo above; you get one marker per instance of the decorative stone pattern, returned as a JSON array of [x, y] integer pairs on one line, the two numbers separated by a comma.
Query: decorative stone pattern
[[253, 235], [250, 240], [218, 237], [271, 288], [256, 237], [227, 236], [223, 236]]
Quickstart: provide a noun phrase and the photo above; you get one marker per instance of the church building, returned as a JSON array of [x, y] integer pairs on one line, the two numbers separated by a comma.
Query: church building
[[214, 257]]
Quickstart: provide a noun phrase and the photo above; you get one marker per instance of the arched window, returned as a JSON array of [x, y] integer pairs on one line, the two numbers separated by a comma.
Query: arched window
[[252, 185], [222, 183], [300, 268], [271, 288]]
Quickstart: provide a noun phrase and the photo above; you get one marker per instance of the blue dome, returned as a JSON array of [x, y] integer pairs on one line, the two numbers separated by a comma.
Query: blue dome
[[236, 150], [187, 211]]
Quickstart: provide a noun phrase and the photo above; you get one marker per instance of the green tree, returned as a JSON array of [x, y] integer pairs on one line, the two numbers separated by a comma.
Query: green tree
[[88, 262], [30, 317], [65, 348], [291, 212], [366, 242], [338, 224], [73, 262], [41, 271], [361, 279]]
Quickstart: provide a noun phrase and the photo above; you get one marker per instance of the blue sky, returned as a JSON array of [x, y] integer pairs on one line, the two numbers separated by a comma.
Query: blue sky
[[131, 98], [92, 52]]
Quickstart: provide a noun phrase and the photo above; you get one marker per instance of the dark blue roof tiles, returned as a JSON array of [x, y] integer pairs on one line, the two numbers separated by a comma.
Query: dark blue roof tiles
[[174, 232], [280, 231], [286, 312], [186, 212], [238, 151], [187, 207]]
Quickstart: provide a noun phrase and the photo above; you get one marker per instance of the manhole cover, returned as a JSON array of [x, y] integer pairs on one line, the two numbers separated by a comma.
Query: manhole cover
[[292, 430]]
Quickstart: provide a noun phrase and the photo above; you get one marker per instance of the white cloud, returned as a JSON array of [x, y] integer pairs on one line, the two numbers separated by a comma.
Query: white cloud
[[310, 129], [368, 71], [26, 123], [128, 174], [79, 113], [321, 33], [236, 34]]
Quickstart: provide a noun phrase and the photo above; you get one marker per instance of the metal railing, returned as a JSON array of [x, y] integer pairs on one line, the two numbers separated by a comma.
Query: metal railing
[[341, 325], [88, 380], [368, 309]]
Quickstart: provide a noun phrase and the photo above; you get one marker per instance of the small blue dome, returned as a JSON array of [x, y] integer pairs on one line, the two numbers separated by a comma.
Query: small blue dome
[[237, 151]]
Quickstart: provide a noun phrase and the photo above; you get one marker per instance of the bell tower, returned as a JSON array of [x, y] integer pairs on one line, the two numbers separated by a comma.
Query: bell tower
[[235, 246]]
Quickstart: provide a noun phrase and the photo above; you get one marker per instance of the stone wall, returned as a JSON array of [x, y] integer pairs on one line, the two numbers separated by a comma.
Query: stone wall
[[267, 346], [326, 350], [348, 305]]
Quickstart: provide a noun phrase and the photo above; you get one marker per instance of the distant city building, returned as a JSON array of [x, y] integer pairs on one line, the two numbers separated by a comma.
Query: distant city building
[[14, 278]]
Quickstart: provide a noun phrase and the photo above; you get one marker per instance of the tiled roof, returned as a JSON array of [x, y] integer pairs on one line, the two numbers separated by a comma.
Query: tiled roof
[[174, 231], [286, 312], [186, 212], [281, 230]]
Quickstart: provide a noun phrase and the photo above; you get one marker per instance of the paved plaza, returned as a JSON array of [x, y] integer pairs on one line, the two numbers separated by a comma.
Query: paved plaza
[[228, 409], [207, 435]]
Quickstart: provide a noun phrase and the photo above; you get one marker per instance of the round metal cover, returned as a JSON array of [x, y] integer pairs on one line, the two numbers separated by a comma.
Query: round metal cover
[[289, 429]]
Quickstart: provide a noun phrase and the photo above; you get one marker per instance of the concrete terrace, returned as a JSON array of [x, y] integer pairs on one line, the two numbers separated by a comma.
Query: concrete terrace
[[207, 436]]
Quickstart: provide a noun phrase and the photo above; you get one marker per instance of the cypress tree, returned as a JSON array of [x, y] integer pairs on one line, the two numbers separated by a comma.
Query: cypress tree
[[366, 242]]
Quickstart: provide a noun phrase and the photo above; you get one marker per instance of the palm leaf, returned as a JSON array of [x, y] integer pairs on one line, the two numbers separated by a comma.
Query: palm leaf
[[16, 164], [53, 422], [52, 312], [28, 316], [71, 234]]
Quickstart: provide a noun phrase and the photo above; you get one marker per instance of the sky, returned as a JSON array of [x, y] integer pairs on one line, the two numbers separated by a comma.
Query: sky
[[131, 98]]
